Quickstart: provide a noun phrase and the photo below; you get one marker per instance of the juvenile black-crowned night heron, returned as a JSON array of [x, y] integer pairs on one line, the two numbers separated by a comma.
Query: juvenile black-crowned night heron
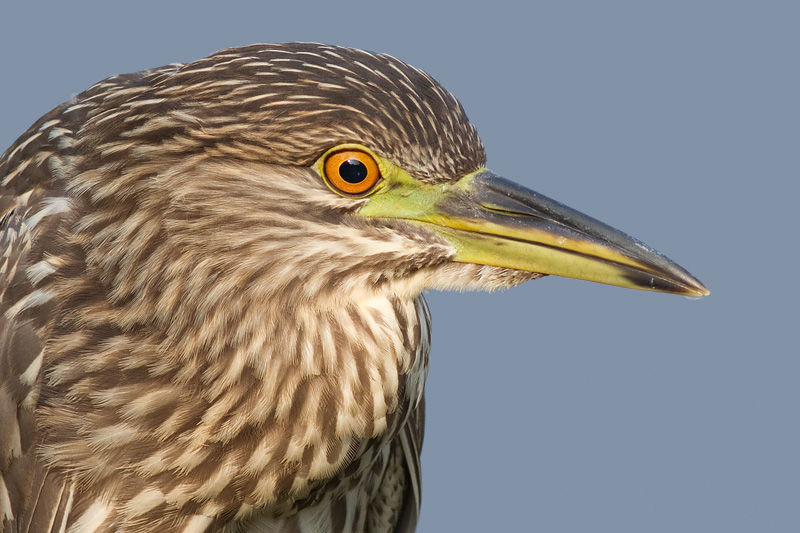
[[211, 311]]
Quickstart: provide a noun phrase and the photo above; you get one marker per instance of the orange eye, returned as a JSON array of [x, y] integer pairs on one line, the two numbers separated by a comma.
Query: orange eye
[[352, 172]]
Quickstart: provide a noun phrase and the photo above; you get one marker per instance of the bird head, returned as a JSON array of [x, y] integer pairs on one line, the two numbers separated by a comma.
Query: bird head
[[316, 173]]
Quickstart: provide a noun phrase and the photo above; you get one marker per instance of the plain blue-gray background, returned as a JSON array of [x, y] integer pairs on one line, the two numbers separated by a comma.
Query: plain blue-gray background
[[560, 405]]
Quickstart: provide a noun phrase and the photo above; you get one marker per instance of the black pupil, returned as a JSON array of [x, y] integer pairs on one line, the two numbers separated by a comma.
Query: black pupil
[[353, 171]]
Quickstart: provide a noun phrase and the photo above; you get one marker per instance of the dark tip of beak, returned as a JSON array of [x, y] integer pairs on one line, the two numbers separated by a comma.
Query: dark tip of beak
[[503, 203]]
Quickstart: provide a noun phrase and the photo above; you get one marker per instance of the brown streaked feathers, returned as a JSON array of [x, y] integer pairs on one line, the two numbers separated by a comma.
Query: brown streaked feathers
[[196, 334]]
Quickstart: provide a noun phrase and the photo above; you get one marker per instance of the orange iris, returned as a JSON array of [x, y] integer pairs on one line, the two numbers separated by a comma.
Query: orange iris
[[351, 172]]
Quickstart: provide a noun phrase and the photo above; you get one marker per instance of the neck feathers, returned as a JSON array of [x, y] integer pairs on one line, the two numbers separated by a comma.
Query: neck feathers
[[292, 398]]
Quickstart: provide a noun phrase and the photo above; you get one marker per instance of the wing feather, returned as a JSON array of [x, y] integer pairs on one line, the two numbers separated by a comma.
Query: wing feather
[[411, 441]]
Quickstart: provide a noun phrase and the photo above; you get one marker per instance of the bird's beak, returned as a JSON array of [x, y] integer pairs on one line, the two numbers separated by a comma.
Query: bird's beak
[[493, 221]]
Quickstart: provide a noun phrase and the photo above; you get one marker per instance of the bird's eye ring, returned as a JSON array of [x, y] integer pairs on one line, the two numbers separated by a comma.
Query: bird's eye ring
[[351, 172]]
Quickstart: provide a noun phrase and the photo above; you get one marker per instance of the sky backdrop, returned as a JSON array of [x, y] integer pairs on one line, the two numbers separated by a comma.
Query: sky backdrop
[[563, 406]]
